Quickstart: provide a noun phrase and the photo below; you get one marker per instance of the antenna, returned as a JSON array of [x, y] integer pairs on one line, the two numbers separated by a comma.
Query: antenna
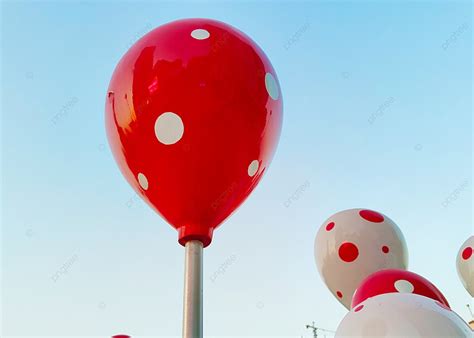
[[315, 330]]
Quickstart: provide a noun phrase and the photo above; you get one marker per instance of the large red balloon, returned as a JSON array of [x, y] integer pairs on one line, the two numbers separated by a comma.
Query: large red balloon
[[193, 117], [393, 281]]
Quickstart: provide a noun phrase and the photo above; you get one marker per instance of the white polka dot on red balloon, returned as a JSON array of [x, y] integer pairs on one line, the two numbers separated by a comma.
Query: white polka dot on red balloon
[[271, 86], [143, 181], [200, 34], [253, 168], [169, 128], [403, 286]]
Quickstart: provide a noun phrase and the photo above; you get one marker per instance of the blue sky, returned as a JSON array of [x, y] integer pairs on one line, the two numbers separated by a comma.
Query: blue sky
[[378, 114]]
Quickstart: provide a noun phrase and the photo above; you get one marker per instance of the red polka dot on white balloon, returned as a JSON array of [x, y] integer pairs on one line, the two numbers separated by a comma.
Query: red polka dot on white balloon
[[169, 128], [348, 252], [403, 286], [371, 216], [200, 34], [253, 168], [467, 253], [143, 181], [330, 226]]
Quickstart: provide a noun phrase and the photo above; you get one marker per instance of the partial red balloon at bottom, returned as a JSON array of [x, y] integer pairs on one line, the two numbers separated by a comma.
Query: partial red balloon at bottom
[[121, 336], [396, 281]]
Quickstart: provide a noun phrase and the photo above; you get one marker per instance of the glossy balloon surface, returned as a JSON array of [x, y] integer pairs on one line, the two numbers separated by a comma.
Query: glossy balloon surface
[[354, 243], [193, 117], [396, 281], [465, 265], [396, 315]]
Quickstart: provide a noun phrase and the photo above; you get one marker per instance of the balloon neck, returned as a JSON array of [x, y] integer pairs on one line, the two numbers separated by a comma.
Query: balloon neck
[[188, 233]]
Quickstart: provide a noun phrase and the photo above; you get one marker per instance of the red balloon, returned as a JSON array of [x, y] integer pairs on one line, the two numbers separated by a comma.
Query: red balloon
[[193, 117], [393, 281]]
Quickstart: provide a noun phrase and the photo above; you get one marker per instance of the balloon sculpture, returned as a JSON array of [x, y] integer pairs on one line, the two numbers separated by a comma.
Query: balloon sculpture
[[193, 117], [393, 315], [396, 281], [354, 243], [465, 265]]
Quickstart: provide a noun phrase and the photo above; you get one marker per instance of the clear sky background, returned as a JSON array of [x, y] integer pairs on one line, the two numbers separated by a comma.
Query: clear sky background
[[83, 256]]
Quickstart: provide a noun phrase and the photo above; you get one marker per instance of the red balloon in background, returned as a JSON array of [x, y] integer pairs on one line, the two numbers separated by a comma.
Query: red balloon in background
[[393, 281], [193, 117]]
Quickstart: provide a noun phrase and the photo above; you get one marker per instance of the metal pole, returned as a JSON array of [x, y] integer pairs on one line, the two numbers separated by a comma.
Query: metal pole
[[192, 308]]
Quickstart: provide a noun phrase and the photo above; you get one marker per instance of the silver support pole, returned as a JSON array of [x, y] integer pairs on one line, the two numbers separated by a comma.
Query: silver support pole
[[192, 309]]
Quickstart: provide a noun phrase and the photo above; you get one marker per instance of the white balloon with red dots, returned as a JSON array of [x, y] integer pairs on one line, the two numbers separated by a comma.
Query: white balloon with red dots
[[354, 243], [465, 265], [398, 315]]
